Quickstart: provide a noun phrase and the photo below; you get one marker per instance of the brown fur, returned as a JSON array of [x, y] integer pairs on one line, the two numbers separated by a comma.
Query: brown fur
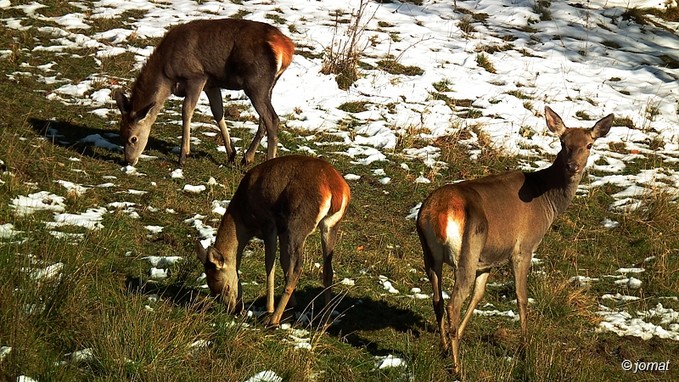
[[283, 48], [504, 218], [278, 200], [452, 208], [207, 55]]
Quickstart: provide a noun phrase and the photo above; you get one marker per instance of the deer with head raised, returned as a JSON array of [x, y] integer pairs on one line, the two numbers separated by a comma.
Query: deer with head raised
[[480, 224], [283, 199], [207, 55]]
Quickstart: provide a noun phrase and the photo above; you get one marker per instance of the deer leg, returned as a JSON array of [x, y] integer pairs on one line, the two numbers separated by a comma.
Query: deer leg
[[270, 241], [479, 290], [433, 266], [286, 265], [472, 244], [521, 266], [192, 91], [272, 128], [463, 279], [293, 251], [217, 107], [328, 240], [268, 122]]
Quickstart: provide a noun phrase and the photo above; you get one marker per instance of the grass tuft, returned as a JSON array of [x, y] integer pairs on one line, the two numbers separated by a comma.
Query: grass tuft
[[343, 55], [393, 67], [483, 61]]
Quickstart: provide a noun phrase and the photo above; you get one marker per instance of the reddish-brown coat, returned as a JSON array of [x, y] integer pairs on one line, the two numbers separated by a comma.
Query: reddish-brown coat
[[454, 210], [281, 200], [499, 219], [283, 48], [206, 56]]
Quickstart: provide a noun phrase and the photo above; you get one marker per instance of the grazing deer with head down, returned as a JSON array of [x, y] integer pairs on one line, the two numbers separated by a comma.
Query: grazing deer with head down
[[480, 224], [207, 55], [282, 199]]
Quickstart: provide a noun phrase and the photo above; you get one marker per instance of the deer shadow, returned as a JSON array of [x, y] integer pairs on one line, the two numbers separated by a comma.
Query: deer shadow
[[100, 144], [176, 293], [357, 315]]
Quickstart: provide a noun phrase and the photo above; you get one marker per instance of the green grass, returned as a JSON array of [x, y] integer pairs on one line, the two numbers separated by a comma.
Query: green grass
[[142, 329], [394, 67]]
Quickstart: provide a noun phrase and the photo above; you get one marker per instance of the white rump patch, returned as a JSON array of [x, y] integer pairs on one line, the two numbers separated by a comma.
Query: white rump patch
[[454, 232], [330, 220]]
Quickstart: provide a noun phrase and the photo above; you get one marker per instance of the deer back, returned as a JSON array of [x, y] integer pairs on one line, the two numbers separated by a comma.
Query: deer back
[[514, 210], [271, 192], [228, 53]]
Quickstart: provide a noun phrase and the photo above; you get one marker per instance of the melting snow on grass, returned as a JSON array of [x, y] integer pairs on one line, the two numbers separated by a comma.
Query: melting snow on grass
[[4, 351], [298, 338], [177, 174], [626, 324], [47, 273], [90, 219], [84, 355], [158, 273], [386, 284], [162, 261], [159, 265], [384, 362], [39, 201], [72, 187], [626, 82], [154, 229], [7, 231], [194, 189], [265, 376]]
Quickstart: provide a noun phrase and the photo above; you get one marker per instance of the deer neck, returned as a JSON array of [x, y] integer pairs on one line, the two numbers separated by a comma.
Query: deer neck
[[555, 185], [233, 235], [152, 85], [230, 239]]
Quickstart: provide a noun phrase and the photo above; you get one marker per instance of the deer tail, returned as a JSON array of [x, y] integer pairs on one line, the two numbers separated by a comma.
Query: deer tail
[[283, 49]]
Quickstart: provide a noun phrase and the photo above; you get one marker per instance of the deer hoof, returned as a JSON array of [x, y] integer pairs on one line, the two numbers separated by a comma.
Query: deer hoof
[[270, 324], [245, 162], [232, 157], [445, 352]]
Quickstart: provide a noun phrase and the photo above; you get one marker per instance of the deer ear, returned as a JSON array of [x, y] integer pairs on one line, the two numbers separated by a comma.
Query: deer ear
[[122, 101], [200, 252], [602, 127], [143, 112], [554, 122], [215, 257]]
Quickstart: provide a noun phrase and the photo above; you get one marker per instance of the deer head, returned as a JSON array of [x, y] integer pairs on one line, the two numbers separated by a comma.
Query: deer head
[[575, 143], [135, 127], [222, 277]]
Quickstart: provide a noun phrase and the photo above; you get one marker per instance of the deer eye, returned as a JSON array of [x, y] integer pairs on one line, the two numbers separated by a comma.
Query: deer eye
[[589, 146], [133, 139]]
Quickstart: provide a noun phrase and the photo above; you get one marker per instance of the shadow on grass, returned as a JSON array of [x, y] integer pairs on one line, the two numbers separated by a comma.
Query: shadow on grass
[[362, 313], [357, 315], [177, 293], [74, 137], [100, 144]]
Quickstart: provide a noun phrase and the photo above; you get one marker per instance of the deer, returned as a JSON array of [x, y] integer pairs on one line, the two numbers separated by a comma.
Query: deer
[[207, 56], [280, 200], [480, 224]]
